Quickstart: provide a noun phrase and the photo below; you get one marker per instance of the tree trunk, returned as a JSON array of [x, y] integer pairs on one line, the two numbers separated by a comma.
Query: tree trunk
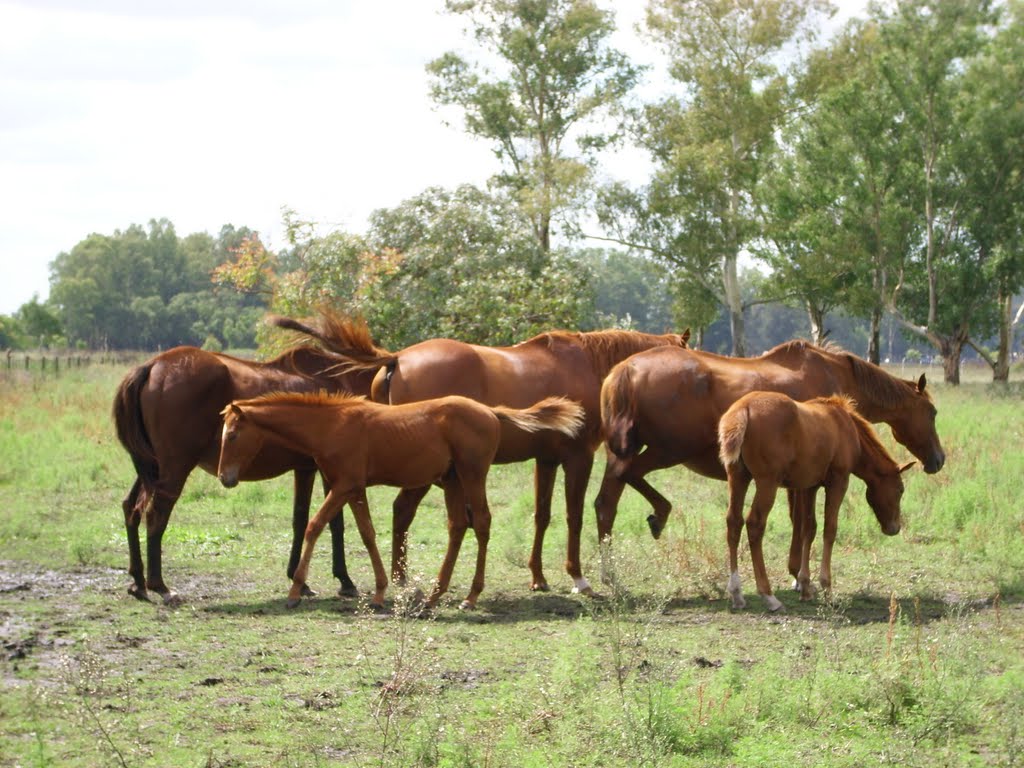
[[817, 320], [1001, 369], [875, 337], [734, 303], [951, 348]]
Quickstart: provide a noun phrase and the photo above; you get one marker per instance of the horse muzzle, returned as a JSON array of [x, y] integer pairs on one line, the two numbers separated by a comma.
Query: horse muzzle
[[229, 479], [934, 462], [892, 529]]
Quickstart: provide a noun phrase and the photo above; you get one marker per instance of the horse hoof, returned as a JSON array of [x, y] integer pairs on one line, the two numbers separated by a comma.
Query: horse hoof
[[656, 526], [738, 604], [348, 591], [139, 593], [587, 590], [540, 586], [774, 604], [172, 600], [465, 605], [307, 591], [292, 602]]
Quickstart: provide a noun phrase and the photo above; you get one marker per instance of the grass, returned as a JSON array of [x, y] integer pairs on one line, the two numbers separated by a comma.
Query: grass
[[916, 660]]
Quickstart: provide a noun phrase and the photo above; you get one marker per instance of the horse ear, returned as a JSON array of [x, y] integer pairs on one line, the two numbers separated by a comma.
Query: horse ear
[[686, 337], [232, 409], [921, 383], [907, 466]]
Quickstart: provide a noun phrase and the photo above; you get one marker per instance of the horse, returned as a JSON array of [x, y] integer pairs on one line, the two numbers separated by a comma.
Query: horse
[[668, 403], [775, 441], [167, 416], [565, 363], [357, 443]]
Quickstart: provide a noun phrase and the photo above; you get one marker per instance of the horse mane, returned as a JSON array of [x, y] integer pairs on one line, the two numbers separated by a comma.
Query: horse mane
[[608, 347], [869, 439], [878, 387], [321, 398]]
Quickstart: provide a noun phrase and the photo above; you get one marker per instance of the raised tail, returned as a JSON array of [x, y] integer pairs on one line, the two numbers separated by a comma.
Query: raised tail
[[131, 431], [344, 336], [557, 413], [732, 428], [619, 412]]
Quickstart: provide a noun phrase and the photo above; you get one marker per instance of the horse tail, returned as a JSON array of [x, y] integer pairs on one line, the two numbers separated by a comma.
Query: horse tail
[[131, 431], [343, 336], [619, 412], [731, 430], [556, 413]]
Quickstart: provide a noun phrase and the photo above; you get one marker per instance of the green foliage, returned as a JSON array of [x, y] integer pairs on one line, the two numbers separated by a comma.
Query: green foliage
[[559, 78], [150, 289]]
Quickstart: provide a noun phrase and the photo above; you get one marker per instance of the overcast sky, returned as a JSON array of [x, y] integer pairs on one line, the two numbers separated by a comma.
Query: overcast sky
[[209, 112]]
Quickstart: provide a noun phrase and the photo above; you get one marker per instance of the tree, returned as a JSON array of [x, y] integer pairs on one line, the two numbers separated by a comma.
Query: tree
[[560, 81], [38, 322], [990, 106], [710, 143], [464, 264]]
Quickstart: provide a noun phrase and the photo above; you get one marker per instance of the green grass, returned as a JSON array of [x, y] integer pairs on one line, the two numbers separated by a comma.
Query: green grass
[[915, 661]]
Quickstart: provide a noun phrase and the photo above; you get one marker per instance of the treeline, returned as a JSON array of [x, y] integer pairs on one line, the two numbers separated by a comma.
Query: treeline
[[876, 178]]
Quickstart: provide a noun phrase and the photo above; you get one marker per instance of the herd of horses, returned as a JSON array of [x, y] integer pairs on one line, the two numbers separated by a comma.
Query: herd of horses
[[441, 412]]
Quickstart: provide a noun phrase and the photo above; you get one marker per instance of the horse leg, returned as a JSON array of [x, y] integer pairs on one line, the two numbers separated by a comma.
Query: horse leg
[[331, 506], [808, 525], [403, 511], [764, 498], [577, 476], [543, 486], [156, 523], [361, 512], [132, 518], [739, 481], [458, 522], [801, 507], [303, 495], [662, 506], [480, 518], [605, 507], [833, 498]]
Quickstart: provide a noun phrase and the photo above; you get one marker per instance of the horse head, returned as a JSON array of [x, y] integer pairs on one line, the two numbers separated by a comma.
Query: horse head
[[884, 494], [240, 441], [913, 425]]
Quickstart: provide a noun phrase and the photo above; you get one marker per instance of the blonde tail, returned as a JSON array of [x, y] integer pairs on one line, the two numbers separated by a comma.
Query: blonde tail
[[557, 413], [731, 430]]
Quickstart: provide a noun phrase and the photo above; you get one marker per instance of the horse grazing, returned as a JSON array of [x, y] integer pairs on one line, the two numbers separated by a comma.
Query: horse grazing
[[558, 363], [357, 443], [167, 415], [668, 402], [777, 442]]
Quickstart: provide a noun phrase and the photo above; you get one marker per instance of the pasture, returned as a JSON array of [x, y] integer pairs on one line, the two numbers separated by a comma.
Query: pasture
[[916, 660]]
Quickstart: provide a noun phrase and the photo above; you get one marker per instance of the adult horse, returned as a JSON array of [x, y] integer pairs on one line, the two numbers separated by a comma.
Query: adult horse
[[774, 441], [167, 415], [668, 402], [357, 443], [557, 363]]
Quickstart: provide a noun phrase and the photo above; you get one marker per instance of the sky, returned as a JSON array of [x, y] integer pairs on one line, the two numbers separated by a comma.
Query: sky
[[213, 112]]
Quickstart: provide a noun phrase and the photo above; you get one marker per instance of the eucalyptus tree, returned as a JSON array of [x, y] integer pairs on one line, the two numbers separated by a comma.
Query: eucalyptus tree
[[556, 82], [710, 142], [836, 206], [991, 106], [943, 290]]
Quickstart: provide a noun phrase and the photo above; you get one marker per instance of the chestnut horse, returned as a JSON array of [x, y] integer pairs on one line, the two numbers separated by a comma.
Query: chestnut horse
[[775, 441], [357, 443], [563, 363], [167, 414], [668, 402]]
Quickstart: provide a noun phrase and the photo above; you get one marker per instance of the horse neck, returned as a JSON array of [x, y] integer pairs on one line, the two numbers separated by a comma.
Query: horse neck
[[879, 396], [303, 428], [608, 348], [300, 369], [874, 462]]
